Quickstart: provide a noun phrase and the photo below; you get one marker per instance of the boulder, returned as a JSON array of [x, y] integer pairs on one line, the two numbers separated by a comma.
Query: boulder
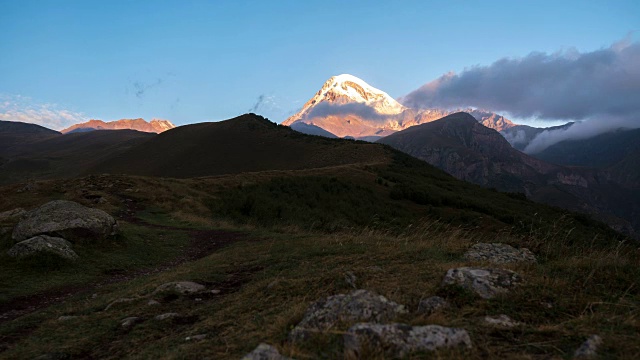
[[180, 287], [485, 282], [357, 306], [431, 305], [265, 352], [499, 253], [43, 244], [66, 219], [400, 340]]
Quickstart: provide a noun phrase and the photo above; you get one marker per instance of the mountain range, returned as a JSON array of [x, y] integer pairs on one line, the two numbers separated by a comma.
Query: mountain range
[[153, 126], [347, 106]]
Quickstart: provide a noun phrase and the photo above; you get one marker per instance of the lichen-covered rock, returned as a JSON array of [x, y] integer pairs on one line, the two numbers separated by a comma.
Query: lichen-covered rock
[[485, 282], [66, 219], [400, 340], [432, 304], [43, 244], [265, 352], [180, 287], [501, 321], [499, 253], [589, 348], [357, 306]]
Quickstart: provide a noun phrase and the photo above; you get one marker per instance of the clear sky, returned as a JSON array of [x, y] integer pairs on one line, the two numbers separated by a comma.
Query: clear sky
[[192, 61]]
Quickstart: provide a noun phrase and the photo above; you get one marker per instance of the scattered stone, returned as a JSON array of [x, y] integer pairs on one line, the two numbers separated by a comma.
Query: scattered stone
[[589, 348], [119, 301], [12, 214], [400, 340], [43, 244], [485, 282], [65, 219], [129, 322], [350, 279], [67, 317], [265, 352], [501, 321], [167, 316], [153, 302], [499, 253], [94, 296], [196, 337], [180, 287], [359, 305], [215, 291], [431, 305]]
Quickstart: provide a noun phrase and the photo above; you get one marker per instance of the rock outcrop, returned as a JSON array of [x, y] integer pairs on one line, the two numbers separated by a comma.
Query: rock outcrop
[[43, 244], [400, 340], [66, 219], [357, 306], [485, 282]]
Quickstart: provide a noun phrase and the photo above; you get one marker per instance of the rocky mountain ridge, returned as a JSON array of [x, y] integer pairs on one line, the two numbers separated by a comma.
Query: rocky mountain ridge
[[154, 126]]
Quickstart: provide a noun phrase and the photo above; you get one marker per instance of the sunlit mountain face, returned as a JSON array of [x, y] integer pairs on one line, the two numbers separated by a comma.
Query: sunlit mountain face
[[347, 106]]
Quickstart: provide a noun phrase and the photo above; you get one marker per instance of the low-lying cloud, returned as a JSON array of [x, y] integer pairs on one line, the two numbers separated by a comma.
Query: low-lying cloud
[[324, 109], [566, 85], [577, 131], [25, 109]]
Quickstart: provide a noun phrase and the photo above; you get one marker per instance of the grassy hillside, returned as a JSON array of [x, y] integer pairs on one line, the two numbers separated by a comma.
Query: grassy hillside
[[63, 156], [272, 242], [397, 227], [245, 143]]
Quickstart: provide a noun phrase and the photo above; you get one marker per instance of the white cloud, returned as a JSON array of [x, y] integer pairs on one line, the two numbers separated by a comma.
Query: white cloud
[[25, 109]]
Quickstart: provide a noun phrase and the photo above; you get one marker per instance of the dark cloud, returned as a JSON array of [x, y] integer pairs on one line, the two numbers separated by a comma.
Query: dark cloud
[[602, 84], [326, 109]]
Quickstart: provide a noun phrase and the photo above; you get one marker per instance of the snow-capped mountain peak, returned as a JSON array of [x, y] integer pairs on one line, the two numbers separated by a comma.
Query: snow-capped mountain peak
[[345, 89]]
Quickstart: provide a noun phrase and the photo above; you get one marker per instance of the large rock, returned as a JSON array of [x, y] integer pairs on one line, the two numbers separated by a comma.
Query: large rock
[[43, 244], [265, 352], [400, 340], [499, 253], [357, 306], [485, 282], [66, 219]]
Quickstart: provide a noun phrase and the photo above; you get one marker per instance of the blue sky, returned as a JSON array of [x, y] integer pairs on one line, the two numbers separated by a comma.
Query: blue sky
[[192, 61]]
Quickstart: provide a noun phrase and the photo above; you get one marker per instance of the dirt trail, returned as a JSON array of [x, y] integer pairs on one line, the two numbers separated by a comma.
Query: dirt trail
[[201, 244]]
